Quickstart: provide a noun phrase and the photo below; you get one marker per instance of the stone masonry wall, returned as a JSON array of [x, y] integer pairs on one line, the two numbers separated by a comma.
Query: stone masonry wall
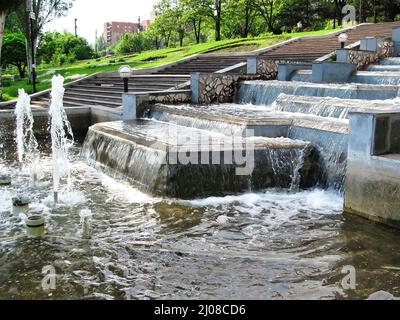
[[217, 88], [267, 68], [171, 97], [364, 58]]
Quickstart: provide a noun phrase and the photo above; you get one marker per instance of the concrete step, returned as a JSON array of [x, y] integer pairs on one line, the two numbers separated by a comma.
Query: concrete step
[[98, 97], [164, 79], [92, 102], [384, 68], [375, 77], [390, 62], [163, 177]]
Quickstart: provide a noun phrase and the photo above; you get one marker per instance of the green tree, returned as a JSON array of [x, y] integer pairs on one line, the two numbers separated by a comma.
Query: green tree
[[267, 9], [12, 24], [6, 7], [165, 24], [58, 48], [14, 52], [45, 11], [100, 44], [239, 16], [195, 13], [133, 43]]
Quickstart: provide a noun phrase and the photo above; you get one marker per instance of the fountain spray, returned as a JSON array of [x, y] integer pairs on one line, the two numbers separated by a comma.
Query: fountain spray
[[61, 136], [86, 216], [26, 142]]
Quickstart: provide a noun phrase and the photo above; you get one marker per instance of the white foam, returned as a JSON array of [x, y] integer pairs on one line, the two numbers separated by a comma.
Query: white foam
[[223, 219], [123, 190], [276, 207]]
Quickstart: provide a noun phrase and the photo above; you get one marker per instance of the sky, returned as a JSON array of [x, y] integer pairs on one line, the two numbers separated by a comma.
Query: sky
[[92, 14]]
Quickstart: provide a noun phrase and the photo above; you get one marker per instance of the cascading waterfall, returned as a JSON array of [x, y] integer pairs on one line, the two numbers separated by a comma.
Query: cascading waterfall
[[198, 123], [323, 107], [61, 136], [332, 149], [379, 78], [266, 92], [118, 158], [288, 163], [297, 166]]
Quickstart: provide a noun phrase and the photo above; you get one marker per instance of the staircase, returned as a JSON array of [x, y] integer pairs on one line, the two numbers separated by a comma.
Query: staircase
[[309, 49], [106, 89], [208, 63]]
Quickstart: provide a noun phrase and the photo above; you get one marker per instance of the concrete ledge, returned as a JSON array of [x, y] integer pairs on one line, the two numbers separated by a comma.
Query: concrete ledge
[[134, 105], [396, 40], [286, 70], [332, 72], [373, 169], [369, 44]]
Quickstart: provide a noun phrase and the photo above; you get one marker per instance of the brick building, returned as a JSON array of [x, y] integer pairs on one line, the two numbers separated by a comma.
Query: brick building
[[113, 31]]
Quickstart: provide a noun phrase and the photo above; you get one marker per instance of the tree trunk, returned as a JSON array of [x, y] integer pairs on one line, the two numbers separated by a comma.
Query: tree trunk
[[338, 12], [29, 60], [218, 29], [271, 12], [197, 30], [181, 37], [3, 16], [21, 70], [217, 18], [245, 32]]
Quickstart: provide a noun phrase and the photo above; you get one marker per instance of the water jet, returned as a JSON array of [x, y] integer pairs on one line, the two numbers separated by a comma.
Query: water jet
[[85, 221]]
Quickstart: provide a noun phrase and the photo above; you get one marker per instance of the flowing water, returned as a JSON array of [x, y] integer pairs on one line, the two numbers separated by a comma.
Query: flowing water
[[107, 240], [268, 245]]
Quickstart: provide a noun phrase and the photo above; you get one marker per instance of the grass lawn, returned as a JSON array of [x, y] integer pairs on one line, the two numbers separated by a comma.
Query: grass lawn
[[146, 59]]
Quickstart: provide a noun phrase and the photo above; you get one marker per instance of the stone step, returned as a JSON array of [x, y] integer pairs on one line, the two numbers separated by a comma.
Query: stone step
[[120, 85], [384, 68], [390, 61], [134, 80], [83, 102], [153, 78], [328, 107], [115, 89], [150, 166], [98, 97], [376, 77]]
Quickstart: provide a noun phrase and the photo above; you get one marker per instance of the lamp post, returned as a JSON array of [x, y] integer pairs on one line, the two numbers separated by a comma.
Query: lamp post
[[343, 37], [31, 18], [125, 73]]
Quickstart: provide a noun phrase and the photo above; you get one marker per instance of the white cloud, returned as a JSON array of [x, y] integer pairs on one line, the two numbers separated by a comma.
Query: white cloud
[[92, 14]]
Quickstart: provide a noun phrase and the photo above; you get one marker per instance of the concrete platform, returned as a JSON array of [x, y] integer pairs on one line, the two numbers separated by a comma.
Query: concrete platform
[[179, 162]]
